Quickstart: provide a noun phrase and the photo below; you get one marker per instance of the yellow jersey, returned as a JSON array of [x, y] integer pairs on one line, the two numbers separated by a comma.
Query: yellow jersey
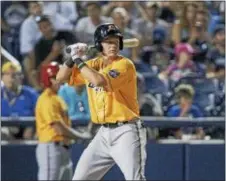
[[116, 103], [50, 108]]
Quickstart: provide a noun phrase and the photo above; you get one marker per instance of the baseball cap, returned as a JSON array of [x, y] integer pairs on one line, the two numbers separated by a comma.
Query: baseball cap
[[159, 34], [9, 66], [183, 47]]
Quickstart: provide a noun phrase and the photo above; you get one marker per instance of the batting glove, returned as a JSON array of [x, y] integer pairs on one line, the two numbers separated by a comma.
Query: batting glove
[[78, 55]]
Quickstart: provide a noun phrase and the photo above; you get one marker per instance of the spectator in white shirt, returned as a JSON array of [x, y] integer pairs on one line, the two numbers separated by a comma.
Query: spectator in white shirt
[[68, 9], [29, 32], [86, 26]]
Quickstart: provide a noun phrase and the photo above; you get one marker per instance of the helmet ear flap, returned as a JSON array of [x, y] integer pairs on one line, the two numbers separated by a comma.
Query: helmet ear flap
[[120, 43], [99, 46]]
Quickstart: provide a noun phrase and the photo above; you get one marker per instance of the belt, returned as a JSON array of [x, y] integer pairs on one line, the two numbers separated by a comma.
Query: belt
[[59, 143], [117, 124]]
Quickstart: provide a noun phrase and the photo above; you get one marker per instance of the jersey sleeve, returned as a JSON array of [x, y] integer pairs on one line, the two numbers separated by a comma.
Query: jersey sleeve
[[76, 77], [119, 76]]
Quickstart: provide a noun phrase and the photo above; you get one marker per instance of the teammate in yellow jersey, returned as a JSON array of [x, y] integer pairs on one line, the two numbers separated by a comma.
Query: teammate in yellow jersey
[[112, 94], [53, 130]]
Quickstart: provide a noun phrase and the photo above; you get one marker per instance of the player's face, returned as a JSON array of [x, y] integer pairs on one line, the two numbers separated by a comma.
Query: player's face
[[110, 46], [55, 84]]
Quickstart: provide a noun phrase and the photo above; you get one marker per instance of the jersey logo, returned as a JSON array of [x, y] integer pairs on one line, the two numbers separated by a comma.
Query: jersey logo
[[113, 73], [97, 89]]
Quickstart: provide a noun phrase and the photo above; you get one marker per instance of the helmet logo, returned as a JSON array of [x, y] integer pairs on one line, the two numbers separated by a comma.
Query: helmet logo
[[49, 71], [111, 27]]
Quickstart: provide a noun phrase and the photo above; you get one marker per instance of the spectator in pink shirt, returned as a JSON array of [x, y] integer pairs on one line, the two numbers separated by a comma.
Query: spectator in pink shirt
[[183, 64]]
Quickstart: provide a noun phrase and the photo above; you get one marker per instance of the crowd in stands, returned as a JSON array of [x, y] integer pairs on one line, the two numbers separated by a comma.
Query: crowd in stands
[[180, 61]]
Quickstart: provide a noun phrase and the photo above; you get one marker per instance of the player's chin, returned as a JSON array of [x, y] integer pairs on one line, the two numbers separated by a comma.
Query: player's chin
[[113, 54]]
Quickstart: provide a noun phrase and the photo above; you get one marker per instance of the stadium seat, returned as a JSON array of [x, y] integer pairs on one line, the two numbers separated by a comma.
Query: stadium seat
[[201, 85], [154, 85], [142, 67], [205, 102]]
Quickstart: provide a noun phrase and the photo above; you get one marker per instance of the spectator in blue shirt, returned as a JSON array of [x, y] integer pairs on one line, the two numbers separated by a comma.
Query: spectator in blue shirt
[[16, 99], [185, 108], [77, 101]]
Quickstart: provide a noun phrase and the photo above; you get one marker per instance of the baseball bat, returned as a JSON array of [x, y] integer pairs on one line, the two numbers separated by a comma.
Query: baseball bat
[[127, 43]]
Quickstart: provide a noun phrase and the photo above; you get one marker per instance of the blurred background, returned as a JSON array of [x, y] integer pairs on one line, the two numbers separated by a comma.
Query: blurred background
[[180, 66]]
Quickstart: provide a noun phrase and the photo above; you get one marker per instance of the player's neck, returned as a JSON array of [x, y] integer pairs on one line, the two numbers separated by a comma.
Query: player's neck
[[109, 60]]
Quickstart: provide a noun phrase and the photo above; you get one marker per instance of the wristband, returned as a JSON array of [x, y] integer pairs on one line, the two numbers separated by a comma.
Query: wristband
[[77, 61], [81, 65]]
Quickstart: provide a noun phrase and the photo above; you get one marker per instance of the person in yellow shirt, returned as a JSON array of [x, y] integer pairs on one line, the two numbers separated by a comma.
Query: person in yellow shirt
[[53, 130], [112, 94]]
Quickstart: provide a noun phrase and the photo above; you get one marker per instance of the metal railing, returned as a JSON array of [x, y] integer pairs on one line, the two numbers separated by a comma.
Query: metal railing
[[149, 121], [8, 56]]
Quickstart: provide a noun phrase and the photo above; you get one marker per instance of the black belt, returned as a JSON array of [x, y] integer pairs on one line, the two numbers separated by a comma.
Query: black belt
[[58, 143], [117, 124]]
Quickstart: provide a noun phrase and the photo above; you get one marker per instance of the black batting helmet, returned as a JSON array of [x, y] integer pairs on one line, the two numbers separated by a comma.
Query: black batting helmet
[[105, 30]]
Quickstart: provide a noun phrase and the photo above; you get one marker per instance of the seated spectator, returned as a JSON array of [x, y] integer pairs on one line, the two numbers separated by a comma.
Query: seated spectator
[[51, 46], [158, 55], [149, 105], [217, 14], [86, 26], [13, 13], [183, 65], [30, 34], [78, 108], [131, 7], [184, 94], [144, 26], [200, 38], [182, 27], [17, 99], [216, 56], [120, 19], [167, 12], [199, 28]]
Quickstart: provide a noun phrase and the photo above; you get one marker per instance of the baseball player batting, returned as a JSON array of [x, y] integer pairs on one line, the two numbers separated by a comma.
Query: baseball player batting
[[53, 130], [112, 94]]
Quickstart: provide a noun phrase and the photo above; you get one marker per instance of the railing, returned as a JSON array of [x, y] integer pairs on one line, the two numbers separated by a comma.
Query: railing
[[9, 57], [149, 121]]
